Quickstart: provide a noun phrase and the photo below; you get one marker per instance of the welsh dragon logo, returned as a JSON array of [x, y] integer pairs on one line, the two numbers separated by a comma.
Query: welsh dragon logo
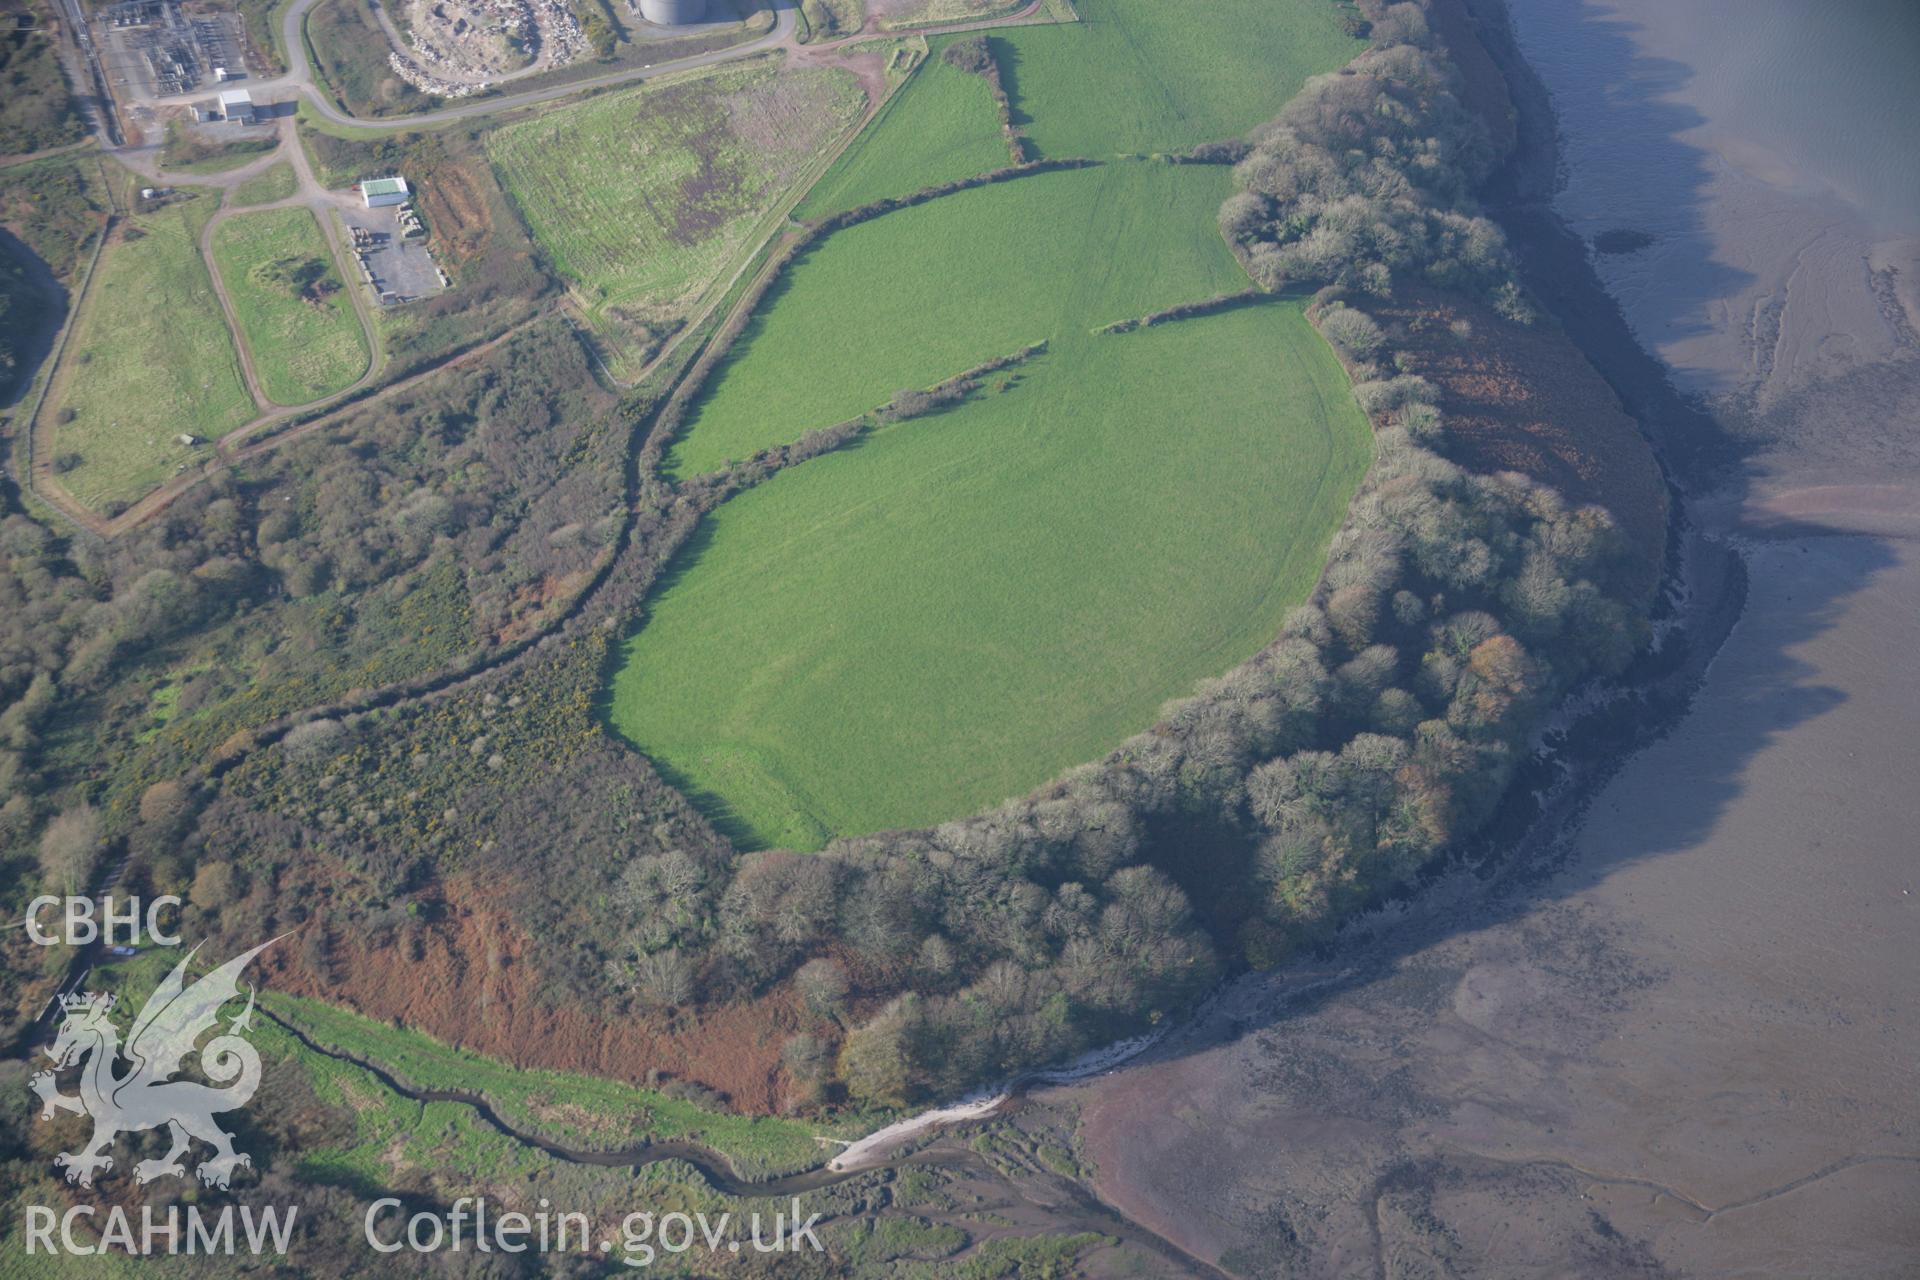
[[146, 1096]]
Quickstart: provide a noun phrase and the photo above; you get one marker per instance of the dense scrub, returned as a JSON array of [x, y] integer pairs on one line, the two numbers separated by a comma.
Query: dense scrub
[[350, 51], [55, 207], [52, 210], [23, 309], [36, 111], [398, 541], [1371, 172]]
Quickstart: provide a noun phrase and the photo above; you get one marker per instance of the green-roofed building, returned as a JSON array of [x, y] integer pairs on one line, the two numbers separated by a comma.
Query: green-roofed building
[[383, 191]]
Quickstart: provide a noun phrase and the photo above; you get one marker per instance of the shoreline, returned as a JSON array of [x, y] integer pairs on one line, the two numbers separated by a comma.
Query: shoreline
[[1662, 992]]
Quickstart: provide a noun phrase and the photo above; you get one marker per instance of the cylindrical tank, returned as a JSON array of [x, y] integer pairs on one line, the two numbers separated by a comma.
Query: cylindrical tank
[[673, 13]]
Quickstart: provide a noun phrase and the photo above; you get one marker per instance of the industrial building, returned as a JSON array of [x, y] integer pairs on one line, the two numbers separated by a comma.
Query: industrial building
[[674, 13], [236, 106], [377, 192]]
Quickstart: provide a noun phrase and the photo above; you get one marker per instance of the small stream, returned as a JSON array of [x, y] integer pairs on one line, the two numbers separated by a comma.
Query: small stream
[[714, 1167], [863, 1156]]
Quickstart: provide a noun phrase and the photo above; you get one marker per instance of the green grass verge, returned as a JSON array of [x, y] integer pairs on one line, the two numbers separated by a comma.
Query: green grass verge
[[923, 13], [941, 126], [150, 359], [277, 183], [582, 1112], [305, 339], [188, 151], [643, 199], [967, 604], [1140, 76]]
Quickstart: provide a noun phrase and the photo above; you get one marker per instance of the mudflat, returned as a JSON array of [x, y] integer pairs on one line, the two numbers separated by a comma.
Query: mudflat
[[1691, 1048]]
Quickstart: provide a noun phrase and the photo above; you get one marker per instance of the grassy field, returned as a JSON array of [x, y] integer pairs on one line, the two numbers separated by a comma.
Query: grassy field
[[277, 183], [928, 292], [187, 151], [1141, 76], [967, 604], [150, 359], [940, 127], [305, 339], [644, 199]]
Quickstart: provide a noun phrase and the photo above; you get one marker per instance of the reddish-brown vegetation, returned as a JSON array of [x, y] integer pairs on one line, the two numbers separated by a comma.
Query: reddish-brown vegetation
[[472, 978], [1526, 400]]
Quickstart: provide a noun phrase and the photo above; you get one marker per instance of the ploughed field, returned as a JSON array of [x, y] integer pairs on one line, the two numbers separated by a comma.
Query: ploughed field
[[967, 603], [294, 311]]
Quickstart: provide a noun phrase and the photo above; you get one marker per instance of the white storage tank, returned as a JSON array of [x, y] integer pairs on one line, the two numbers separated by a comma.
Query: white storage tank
[[674, 13]]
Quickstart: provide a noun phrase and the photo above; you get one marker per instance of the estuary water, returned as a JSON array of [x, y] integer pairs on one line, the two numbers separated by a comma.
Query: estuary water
[[1768, 149]]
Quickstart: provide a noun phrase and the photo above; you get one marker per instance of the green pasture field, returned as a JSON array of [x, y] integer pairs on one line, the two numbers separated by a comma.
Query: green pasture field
[[939, 127], [1144, 76], [302, 350], [150, 359], [277, 183], [966, 604], [643, 199], [921, 294]]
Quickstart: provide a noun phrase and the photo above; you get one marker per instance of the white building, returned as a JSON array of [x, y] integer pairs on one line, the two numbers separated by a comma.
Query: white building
[[383, 191], [236, 106]]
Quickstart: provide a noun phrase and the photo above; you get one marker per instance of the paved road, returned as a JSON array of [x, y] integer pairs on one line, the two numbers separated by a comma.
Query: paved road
[[300, 78]]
